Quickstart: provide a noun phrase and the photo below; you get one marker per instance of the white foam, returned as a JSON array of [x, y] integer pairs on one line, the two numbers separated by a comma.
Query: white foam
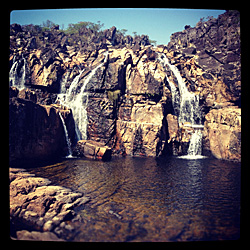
[[192, 157]]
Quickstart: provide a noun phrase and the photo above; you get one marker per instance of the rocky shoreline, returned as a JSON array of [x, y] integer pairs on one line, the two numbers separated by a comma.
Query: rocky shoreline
[[128, 107], [39, 210]]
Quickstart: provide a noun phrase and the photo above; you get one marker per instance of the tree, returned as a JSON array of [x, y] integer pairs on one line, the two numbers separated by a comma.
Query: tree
[[153, 42], [80, 27], [123, 31], [48, 24], [134, 33]]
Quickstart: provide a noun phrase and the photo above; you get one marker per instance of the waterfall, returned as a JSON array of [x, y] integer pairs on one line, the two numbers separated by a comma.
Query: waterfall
[[186, 106], [18, 73], [195, 143], [187, 103], [76, 98], [64, 82], [66, 136]]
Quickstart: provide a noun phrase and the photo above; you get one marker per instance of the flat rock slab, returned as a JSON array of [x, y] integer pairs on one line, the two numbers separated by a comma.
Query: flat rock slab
[[36, 204], [37, 236]]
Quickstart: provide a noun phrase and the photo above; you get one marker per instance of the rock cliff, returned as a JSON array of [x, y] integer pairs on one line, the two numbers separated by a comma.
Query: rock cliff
[[209, 57], [36, 130], [129, 101]]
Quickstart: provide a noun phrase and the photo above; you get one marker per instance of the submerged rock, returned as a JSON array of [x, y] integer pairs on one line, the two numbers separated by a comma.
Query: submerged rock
[[37, 236]]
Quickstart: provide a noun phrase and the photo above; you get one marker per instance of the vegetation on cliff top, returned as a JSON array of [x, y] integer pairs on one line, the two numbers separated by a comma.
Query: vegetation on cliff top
[[80, 34]]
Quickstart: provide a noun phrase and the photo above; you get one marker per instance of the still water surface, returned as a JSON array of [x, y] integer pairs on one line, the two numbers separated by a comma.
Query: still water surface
[[152, 199]]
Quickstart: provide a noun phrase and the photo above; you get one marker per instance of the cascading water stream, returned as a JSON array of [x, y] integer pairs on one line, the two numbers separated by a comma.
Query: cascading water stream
[[186, 105], [195, 143], [77, 99], [66, 136], [186, 102], [18, 72]]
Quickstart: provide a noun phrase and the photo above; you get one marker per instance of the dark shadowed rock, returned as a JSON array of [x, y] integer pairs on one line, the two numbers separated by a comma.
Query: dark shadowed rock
[[35, 131]]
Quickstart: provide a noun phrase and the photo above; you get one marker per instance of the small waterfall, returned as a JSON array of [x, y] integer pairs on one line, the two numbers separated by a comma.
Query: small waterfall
[[195, 143], [18, 73], [76, 98], [186, 106], [66, 136], [64, 82], [186, 103]]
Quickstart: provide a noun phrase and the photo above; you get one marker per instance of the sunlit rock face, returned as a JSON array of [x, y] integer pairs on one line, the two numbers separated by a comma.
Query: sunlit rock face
[[123, 92], [223, 133]]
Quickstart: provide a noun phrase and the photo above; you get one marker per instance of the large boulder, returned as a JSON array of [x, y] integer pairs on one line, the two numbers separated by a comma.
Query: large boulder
[[110, 34], [144, 77], [93, 150], [222, 133], [46, 69]]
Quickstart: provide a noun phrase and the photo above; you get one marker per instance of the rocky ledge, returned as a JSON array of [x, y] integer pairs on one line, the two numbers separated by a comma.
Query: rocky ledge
[[38, 210]]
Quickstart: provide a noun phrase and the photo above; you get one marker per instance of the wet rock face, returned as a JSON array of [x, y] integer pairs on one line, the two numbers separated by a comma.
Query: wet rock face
[[31, 127], [142, 133]]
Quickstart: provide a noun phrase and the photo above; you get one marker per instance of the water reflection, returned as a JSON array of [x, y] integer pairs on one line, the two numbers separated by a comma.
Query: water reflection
[[152, 199]]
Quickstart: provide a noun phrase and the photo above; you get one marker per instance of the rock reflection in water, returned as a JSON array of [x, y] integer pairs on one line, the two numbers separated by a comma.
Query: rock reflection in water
[[149, 199]]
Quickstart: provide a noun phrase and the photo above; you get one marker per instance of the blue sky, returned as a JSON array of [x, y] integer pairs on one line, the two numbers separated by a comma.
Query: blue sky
[[159, 24]]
